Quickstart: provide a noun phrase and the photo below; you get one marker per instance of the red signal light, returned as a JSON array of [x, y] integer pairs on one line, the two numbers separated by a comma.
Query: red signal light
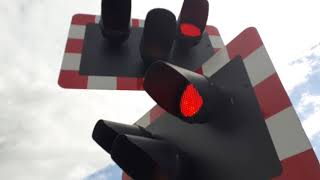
[[190, 30], [191, 101]]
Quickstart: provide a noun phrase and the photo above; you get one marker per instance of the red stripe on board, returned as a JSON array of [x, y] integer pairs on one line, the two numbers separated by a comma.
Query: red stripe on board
[[83, 19], [74, 46], [135, 23], [155, 113], [304, 166], [125, 176], [128, 83], [271, 96], [211, 30], [72, 79], [199, 71], [245, 43]]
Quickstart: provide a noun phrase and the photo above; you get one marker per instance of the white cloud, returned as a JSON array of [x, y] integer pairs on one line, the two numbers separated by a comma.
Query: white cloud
[[3, 140], [297, 72], [79, 172], [308, 99], [311, 123], [111, 172], [294, 74], [288, 29], [316, 49]]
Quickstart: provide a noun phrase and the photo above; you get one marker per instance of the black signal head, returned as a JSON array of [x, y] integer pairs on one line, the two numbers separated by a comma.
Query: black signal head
[[146, 158], [105, 132], [115, 20], [158, 35], [192, 22], [183, 93]]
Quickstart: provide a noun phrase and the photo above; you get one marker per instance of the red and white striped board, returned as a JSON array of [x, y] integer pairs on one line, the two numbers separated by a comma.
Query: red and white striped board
[[69, 75], [298, 159]]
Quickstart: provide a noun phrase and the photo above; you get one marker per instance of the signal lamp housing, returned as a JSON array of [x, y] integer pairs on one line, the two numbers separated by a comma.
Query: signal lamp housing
[[192, 22], [183, 93], [105, 132], [129, 144], [148, 158], [158, 36], [115, 20]]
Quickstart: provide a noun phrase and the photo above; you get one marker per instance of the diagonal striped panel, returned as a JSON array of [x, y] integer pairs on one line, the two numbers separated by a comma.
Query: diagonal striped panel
[[73, 51], [292, 145]]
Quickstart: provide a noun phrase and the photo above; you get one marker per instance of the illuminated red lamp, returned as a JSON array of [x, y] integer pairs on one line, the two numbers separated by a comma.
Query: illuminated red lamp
[[190, 102], [190, 30]]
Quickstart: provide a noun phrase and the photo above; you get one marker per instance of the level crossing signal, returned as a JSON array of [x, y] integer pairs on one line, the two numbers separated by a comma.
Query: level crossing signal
[[202, 108], [214, 124]]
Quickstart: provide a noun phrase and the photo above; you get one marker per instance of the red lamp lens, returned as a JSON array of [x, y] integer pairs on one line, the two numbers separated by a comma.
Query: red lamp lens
[[190, 30], [190, 102]]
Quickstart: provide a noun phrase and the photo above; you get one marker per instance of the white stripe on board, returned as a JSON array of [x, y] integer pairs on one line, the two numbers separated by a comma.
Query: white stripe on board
[[71, 61], [97, 19], [216, 62], [77, 31], [102, 82], [259, 66], [287, 134], [216, 41], [144, 121], [141, 23]]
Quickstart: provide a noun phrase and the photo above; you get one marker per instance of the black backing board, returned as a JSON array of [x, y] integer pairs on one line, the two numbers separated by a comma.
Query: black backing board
[[99, 59], [236, 145]]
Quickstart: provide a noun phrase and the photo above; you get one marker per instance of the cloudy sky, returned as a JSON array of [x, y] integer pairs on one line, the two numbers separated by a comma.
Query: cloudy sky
[[45, 131]]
